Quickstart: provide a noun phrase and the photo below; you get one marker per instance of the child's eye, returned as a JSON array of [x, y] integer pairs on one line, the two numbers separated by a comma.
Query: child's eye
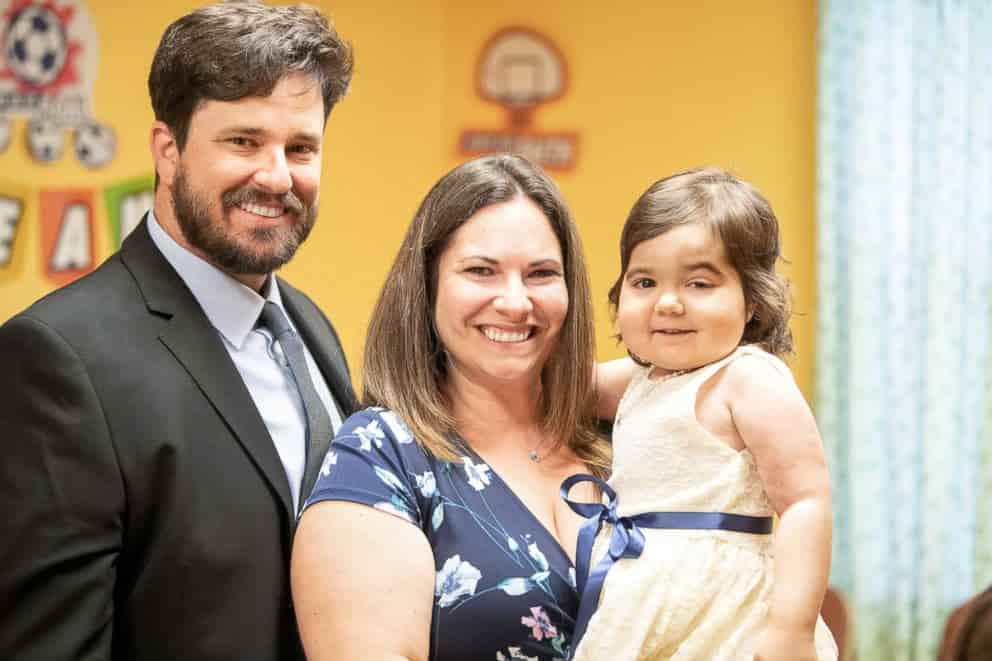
[[700, 284], [642, 283]]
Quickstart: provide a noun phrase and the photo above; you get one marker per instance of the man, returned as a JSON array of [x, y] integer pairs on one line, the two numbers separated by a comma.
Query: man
[[158, 431]]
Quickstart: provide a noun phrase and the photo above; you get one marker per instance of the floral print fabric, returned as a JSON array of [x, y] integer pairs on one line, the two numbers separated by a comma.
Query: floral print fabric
[[504, 589]]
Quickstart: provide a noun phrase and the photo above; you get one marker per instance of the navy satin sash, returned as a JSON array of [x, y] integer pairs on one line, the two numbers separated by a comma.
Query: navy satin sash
[[627, 540]]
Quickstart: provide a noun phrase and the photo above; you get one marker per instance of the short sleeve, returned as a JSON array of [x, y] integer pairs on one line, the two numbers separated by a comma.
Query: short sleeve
[[374, 460]]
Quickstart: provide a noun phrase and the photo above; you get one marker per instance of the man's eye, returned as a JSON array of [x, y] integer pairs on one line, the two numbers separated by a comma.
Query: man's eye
[[239, 141]]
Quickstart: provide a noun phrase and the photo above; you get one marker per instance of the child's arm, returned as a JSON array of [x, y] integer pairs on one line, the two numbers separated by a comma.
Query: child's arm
[[776, 424], [610, 379]]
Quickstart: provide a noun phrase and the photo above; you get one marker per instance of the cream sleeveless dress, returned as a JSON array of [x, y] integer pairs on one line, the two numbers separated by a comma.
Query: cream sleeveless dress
[[693, 595]]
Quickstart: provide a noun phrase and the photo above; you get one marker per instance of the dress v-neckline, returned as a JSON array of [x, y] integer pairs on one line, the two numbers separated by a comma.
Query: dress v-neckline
[[523, 506]]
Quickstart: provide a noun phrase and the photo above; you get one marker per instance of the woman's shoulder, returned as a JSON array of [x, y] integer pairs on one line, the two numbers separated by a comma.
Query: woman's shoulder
[[380, 431], [374, 460], [378, 421]]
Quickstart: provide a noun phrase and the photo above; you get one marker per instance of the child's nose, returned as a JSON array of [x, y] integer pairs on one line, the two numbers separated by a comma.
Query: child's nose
[[669, 303]]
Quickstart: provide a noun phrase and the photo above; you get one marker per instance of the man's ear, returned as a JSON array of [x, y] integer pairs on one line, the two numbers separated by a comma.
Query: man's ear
[[165, 152]]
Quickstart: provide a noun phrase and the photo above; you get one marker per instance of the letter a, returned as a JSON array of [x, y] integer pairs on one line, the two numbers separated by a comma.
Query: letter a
[[72, 247]]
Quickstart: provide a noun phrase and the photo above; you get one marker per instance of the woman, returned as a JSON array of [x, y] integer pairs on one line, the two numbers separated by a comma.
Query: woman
[[478, 369]]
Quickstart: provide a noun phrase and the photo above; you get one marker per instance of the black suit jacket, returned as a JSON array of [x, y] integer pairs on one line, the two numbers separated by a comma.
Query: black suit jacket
[[144, 511]]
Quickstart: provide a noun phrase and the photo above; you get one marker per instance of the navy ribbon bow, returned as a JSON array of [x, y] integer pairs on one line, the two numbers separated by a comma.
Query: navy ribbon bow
[[627, 540]]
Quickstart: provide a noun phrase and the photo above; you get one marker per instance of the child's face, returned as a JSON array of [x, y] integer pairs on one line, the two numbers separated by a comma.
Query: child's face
[[681, 303]]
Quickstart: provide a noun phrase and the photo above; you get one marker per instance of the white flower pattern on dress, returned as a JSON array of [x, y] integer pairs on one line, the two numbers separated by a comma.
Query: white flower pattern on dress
[[369, 434], [538, 557], [426, 483], [330, 459], [515, 655], [477, 474], [400, 431], [456, 579]]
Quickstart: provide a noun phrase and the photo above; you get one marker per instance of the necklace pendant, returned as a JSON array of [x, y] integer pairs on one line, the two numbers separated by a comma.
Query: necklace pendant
[[533, 455]]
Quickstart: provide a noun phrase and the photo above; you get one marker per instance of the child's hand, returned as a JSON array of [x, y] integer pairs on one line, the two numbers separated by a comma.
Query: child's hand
[[786, 644]]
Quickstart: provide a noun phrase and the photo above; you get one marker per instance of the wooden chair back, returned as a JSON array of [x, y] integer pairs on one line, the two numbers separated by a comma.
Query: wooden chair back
[[837, 616]]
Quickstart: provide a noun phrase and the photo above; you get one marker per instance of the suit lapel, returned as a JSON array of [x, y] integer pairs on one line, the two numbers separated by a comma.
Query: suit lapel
[[197, 345]]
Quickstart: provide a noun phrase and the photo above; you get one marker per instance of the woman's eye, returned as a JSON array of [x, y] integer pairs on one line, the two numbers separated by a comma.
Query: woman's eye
[[545, 273], [479, 270]]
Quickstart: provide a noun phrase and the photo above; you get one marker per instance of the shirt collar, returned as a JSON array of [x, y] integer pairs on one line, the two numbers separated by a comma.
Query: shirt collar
[[231, 307]]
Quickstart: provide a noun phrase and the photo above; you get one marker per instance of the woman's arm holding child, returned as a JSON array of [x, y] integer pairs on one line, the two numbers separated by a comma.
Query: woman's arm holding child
[[777, 426]]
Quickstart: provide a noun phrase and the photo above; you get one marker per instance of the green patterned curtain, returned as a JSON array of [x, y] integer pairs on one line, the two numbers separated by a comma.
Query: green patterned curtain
[[904, 368]]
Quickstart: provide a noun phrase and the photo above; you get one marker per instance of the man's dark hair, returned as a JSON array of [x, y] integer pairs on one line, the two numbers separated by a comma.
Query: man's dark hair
[[232, 50]]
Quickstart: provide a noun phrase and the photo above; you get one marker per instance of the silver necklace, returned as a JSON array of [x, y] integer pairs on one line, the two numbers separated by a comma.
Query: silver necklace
[[534, 456]]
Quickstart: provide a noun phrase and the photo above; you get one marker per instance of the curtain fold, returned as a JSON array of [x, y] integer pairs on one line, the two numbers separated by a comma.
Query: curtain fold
[[904, 394]]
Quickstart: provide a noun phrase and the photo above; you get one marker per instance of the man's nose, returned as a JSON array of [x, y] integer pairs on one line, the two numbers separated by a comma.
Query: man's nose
[[272, 174]]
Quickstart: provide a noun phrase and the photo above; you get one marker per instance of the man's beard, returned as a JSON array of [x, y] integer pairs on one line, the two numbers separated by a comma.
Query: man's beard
[[257, 251]]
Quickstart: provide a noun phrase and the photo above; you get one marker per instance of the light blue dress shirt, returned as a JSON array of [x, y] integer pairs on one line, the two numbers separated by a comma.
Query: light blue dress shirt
[[233, 309]]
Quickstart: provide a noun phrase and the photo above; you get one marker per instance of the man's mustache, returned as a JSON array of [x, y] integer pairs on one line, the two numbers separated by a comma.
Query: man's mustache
[[249, 195]]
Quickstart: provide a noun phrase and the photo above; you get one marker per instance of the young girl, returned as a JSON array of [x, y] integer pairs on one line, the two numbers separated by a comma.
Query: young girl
[[711, 438]]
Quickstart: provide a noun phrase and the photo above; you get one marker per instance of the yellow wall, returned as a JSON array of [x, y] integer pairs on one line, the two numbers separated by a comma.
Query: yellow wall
[[654, 88]]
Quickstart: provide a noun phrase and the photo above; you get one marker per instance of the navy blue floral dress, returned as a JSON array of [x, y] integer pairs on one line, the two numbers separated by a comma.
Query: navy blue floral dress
[[504, 587]]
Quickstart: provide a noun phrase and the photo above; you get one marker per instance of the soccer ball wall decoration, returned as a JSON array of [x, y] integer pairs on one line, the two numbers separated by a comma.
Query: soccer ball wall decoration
[[35, 45], [46, 140], [94, 144]]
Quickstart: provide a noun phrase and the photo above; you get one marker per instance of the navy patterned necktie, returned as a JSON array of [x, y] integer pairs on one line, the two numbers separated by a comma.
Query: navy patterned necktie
[[319, 427]]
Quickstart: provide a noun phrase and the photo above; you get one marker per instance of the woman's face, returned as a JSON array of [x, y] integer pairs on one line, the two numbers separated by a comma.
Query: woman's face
[[501, 295]]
